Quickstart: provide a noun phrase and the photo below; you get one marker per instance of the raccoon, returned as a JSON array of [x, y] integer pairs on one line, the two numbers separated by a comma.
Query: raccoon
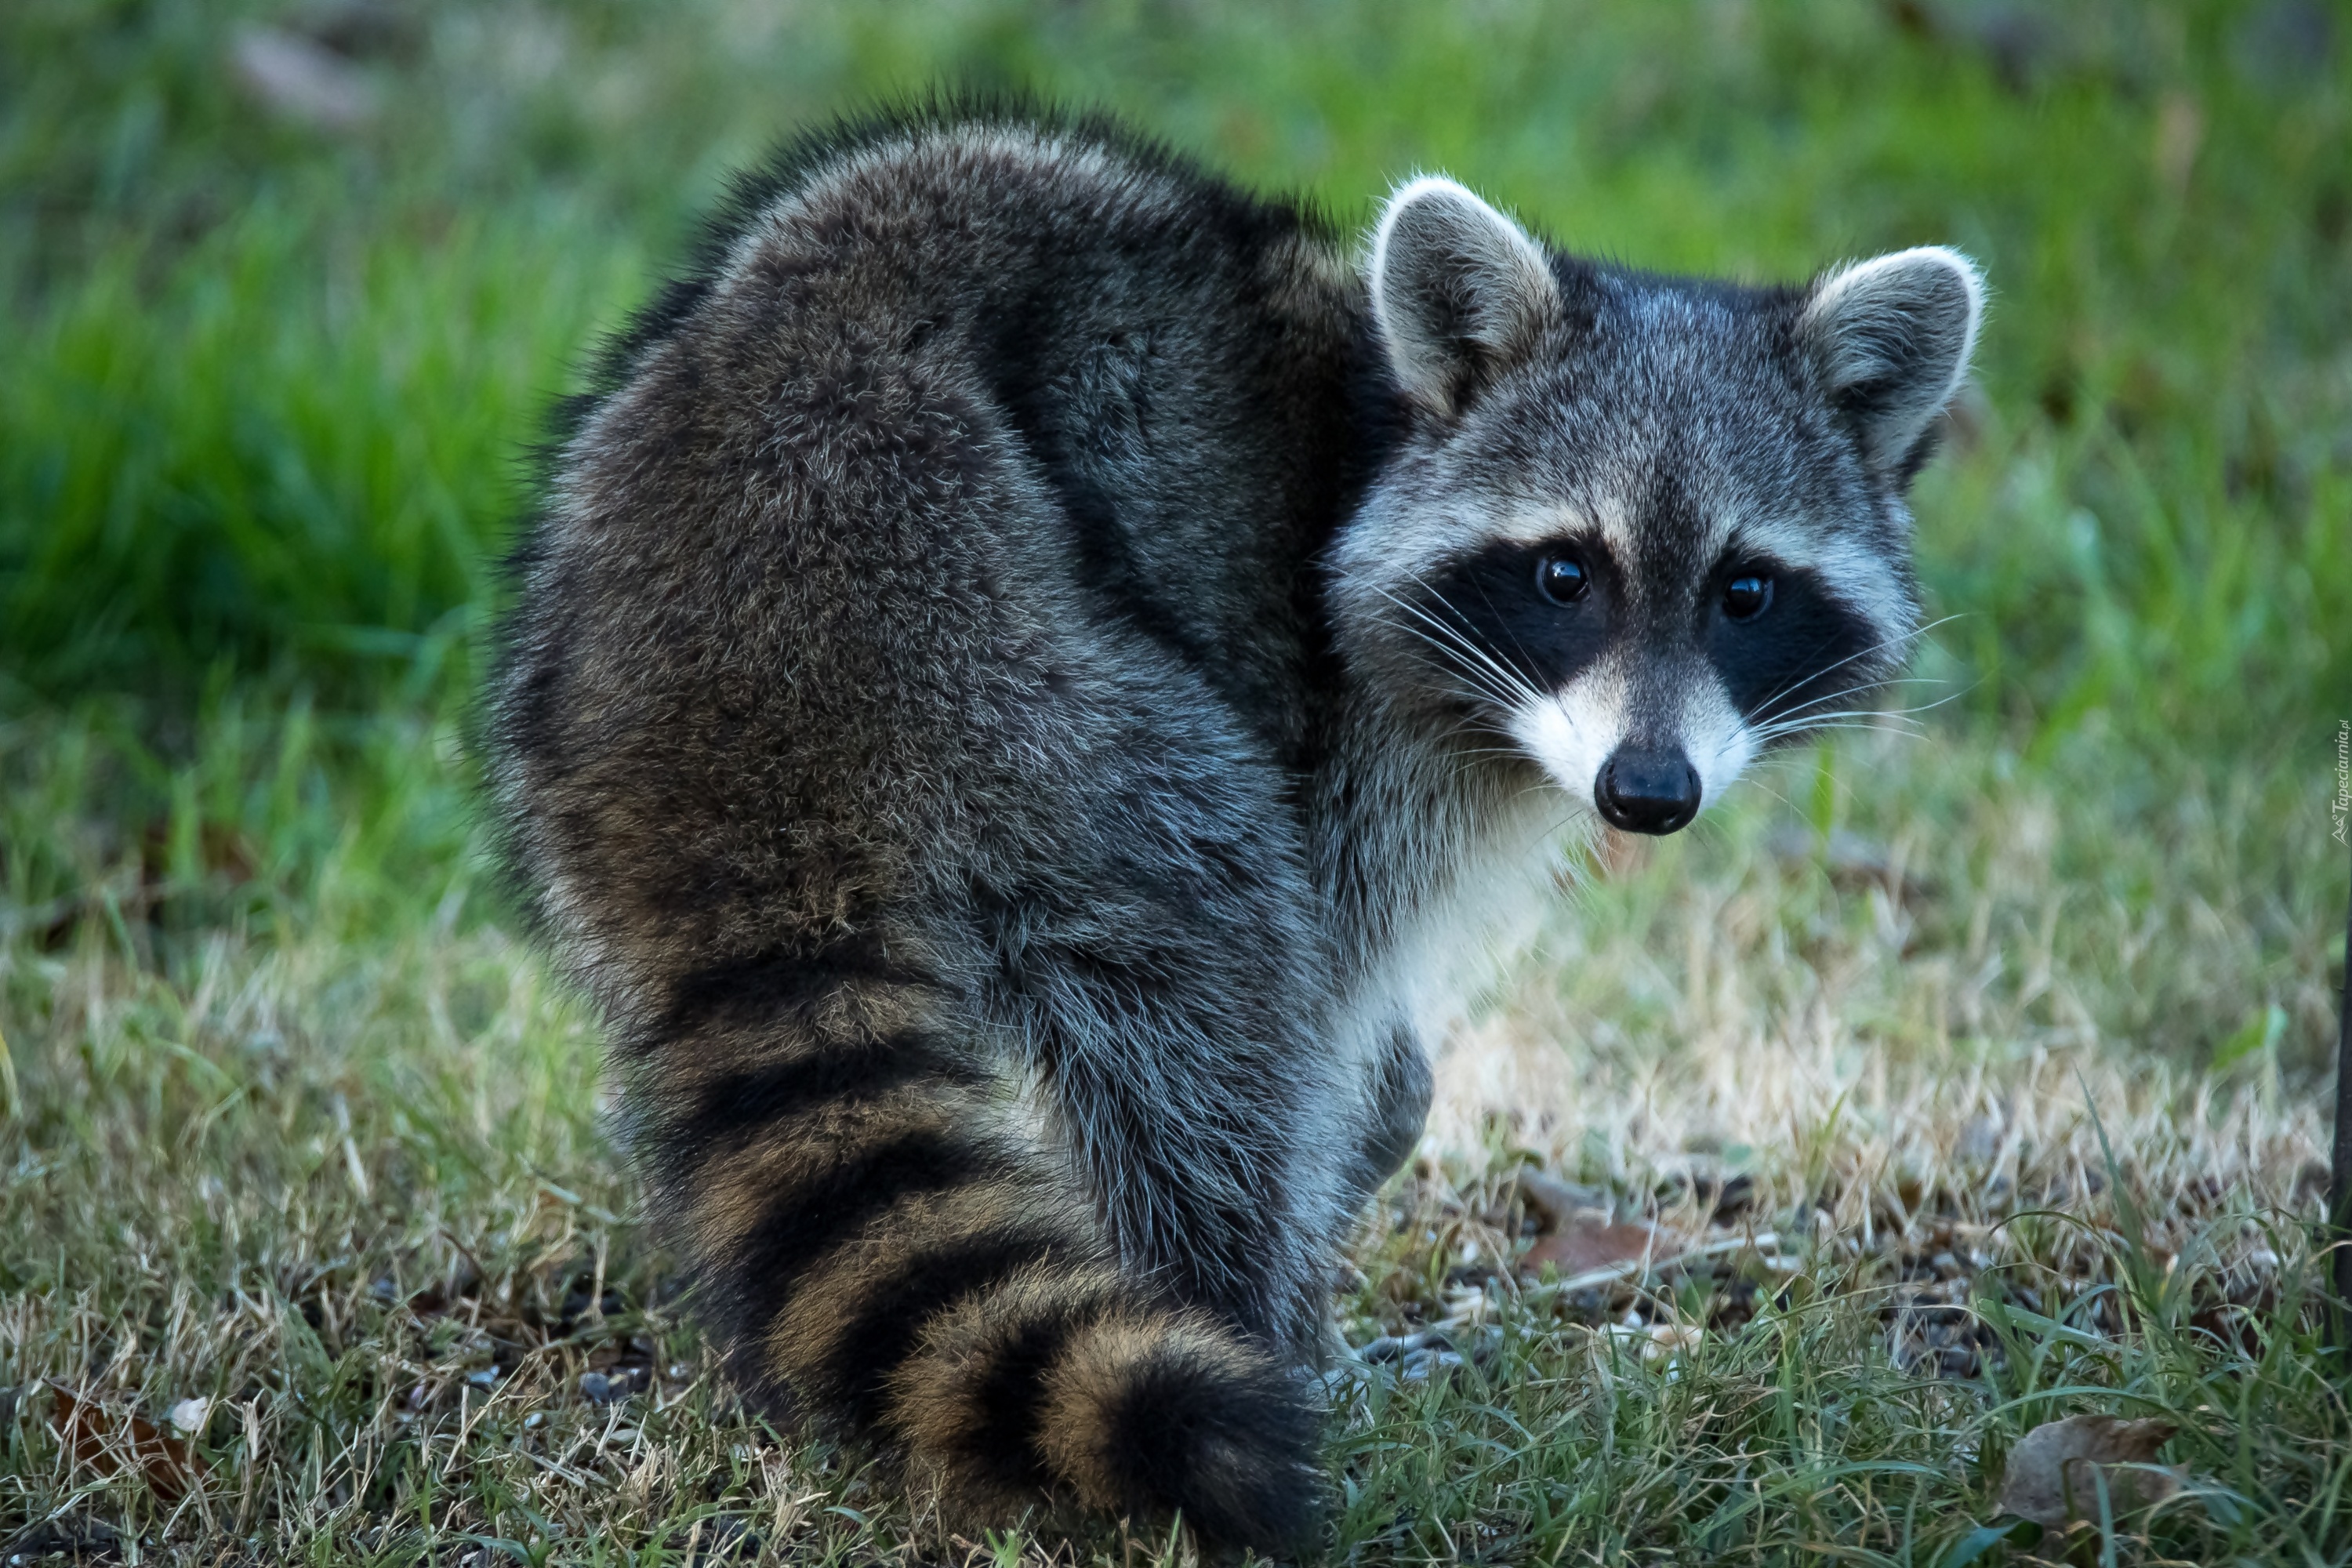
[[1033, 666]]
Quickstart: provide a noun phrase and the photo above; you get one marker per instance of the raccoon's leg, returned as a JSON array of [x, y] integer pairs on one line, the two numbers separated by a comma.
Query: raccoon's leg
[[1172, 1014], [881, 1232], [1398, 1103]]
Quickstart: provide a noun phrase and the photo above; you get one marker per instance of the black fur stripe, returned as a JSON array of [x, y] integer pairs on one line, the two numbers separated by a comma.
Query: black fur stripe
[[730, 1107], [770, 986], [1231, 1453], [892, 1315], [1008, 1398], [806, 1223]]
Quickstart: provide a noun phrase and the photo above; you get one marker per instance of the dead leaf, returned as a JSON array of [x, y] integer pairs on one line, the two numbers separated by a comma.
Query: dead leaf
[[1552, 1201], [2054, 1471], [1587, 1244], [110, 1443]]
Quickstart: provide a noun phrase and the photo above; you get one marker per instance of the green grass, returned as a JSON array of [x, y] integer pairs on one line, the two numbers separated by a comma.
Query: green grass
[[291, 1118], [295, 1128], [268, 382]]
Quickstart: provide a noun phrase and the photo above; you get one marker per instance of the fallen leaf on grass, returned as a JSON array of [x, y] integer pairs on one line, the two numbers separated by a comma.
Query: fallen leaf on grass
[[110, 1443], [1586, 1246], [2054, 1471], [1553, 1202]]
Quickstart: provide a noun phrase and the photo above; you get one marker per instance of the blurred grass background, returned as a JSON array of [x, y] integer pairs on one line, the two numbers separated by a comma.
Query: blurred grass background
[[289, 284], [289, 287]]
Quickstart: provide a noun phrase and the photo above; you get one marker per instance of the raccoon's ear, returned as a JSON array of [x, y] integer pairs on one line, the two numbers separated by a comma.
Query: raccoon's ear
[[1459, 293], [1891, 338]]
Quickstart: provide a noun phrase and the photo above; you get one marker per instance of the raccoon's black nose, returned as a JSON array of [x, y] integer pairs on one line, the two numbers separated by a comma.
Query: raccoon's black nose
[[1646, 789]]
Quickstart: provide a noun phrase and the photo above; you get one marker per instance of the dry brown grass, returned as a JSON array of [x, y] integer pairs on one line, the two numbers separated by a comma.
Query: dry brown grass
[[353, 1197]]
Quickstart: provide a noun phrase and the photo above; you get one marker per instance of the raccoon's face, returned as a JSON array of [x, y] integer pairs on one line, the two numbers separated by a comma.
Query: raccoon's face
[[1641, 528]]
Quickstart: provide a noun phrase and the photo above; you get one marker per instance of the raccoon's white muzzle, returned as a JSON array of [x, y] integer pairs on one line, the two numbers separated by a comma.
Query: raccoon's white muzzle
[[1654, 774]]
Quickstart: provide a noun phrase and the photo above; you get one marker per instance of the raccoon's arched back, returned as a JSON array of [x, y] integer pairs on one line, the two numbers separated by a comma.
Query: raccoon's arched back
[[1198, 436], [958, 114]]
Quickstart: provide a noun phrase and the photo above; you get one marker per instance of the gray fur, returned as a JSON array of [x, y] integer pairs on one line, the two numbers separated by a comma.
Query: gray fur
[[1006, 605]]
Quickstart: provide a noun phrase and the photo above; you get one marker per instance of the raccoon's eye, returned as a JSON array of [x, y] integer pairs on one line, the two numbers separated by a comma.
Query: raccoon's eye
[[1562, 579], [1746, 596]]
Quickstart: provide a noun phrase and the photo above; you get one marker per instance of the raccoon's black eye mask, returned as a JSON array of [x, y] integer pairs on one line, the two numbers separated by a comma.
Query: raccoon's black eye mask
[[1542, 612], [1810, 650]]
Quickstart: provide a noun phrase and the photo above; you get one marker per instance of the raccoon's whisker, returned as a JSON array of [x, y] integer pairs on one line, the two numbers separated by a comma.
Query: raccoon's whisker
[[1511, 688], [1854, 724], [1818, 709], [1467, 723], [1438, 635], [1804, 718], [1911, 636], [1561, 825], [1470, 727], [1823, 721], [1885, 643], [1904, 734], [1767, 789], [1508, 687], [1477, 685], [1801, 713], [1458, 638], [1870, 686], [1925, 706], [1516, 643], [1819, 706], [1765, 738], [1474, 695], [1459, 759], [1516, 676], [1544, 782], [1867, 720]]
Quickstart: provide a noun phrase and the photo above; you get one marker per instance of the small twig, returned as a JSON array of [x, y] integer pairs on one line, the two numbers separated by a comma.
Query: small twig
[[1631, 1268]]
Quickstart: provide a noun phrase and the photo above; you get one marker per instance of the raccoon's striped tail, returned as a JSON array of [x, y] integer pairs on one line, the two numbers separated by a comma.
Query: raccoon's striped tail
[[875, 1237], [1069, 1380]]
